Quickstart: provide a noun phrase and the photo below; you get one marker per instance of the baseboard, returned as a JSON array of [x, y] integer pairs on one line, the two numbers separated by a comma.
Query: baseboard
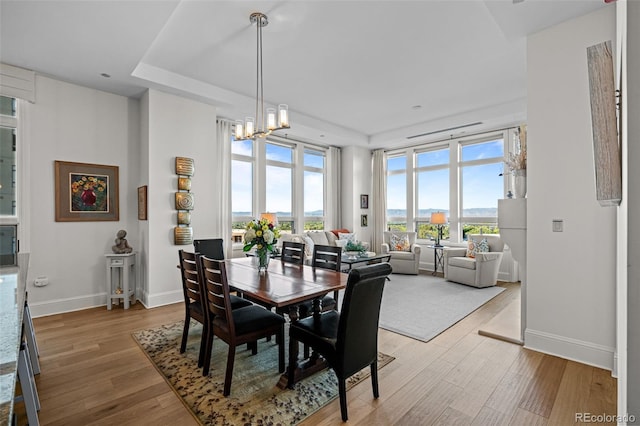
[[60, 306], [162, 299], [571, 349]]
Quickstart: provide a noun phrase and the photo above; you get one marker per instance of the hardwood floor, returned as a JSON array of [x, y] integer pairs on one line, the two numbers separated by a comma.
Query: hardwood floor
[[94, 373]]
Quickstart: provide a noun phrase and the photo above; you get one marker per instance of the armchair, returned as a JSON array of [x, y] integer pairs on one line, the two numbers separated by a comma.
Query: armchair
[[405, 257], [479, 271]]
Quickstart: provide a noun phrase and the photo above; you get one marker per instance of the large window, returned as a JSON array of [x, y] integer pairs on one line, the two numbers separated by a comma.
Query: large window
[[279, 177], [459, 177], [8, 181]]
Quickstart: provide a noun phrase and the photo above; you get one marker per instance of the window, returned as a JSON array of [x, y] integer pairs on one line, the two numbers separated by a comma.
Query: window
[[278, 177], [460, 177], [397, 193], [8, 181]]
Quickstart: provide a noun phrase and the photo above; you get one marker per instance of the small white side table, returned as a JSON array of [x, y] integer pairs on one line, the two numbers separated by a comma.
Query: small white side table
[[124, 266]]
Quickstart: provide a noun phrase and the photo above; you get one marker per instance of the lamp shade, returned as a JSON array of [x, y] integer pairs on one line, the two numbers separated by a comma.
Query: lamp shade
[[269, 217], [438, 218]]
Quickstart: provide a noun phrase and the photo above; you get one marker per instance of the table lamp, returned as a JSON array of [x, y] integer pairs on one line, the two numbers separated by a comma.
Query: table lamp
[[269, 217], [438, 219]]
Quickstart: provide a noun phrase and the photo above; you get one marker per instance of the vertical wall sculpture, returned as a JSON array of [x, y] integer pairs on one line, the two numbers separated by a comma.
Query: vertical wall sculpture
[[183, 233]]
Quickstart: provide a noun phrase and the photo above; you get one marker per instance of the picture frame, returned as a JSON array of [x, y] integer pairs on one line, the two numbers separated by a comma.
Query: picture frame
[[86, 192], [364, 221], [142, 202], [364, 201]]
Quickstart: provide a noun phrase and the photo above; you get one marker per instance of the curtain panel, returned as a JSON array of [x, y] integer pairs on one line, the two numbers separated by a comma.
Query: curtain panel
[[379, 199]]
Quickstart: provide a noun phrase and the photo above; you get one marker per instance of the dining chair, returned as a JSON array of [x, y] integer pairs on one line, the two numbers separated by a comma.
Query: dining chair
[[292, 252], [194, 302], [213, 248], [235, 326], [347, 340]]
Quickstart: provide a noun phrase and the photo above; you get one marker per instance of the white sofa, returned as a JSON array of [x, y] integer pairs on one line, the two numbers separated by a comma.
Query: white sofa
[[403, 262], [479, 271], [310, 239]]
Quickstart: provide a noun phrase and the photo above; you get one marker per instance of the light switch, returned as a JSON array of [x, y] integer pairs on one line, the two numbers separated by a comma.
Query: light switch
[[556, 225]]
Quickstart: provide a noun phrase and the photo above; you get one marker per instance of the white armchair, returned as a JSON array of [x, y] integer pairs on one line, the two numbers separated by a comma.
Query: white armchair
[[479, 271], [404, 259]]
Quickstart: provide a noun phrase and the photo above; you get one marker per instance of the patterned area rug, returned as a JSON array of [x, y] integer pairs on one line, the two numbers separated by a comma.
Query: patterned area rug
[[254, 398]]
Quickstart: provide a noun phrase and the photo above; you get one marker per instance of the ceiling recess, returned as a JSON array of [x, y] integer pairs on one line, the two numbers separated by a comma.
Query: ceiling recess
[[445, 130]]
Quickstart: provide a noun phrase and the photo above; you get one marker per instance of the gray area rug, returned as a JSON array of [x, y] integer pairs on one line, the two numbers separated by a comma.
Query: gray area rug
[[423, 306]]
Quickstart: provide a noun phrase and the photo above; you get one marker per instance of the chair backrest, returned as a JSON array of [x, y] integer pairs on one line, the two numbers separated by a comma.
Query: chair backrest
[[327, 257], [494, 240], [357, 343], [216, 291], [213, 248], [292, 252], [191, 286], [411, 235]]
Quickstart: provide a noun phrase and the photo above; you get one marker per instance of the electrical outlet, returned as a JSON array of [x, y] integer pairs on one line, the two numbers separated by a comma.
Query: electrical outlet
[[41, 281]]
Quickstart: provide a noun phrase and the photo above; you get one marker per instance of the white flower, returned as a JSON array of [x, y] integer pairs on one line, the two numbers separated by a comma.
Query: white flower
[[268, 236], [249, 236]]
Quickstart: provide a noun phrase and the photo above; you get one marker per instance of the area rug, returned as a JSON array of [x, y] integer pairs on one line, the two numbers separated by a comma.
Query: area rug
[[254, 398], [423, 306]]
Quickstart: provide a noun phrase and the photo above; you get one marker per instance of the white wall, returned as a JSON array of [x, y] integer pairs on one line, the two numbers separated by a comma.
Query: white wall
[[177, 127], [571, 275], [633, 112], [356, 180], [73, 123]]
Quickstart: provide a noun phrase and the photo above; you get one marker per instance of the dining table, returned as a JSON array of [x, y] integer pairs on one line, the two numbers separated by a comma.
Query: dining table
[[284, 285]]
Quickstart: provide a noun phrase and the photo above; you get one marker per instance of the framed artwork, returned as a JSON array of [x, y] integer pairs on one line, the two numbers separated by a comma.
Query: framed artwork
[[142, 203], [364, 221], [364, 201], [86, 192]]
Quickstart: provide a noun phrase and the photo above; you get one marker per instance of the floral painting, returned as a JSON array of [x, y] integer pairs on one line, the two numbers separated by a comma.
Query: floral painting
[[89, 193], [86, 192]]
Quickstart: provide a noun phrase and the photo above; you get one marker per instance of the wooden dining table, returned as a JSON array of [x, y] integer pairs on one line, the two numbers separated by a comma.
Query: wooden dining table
[[284, 285]]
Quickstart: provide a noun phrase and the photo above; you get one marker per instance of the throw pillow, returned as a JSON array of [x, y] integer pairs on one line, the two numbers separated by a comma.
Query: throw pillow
[[318, 237], [477, 246], [308, 246], [337, 231], [351, 236], [400, 242]]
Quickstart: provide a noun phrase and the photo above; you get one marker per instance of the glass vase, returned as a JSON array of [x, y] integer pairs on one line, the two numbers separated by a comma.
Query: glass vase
[[263, 256]]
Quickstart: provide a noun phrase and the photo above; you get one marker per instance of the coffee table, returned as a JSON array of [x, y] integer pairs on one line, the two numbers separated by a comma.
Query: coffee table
[[367, 260]]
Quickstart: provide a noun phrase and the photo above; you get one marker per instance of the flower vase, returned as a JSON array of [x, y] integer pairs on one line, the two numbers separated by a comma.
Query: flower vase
[[263, 256], [520, 183]]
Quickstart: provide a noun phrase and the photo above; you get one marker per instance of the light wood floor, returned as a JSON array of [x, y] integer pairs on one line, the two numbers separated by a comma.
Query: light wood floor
[[94, 373]]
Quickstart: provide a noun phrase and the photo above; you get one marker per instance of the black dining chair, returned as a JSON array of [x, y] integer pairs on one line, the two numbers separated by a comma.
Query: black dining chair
[[193, 300], [213, 248], [347, 340], [292, 252], [235, 326]]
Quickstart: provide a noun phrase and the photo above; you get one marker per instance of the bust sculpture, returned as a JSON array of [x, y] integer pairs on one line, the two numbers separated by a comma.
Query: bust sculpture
[[121, 247]]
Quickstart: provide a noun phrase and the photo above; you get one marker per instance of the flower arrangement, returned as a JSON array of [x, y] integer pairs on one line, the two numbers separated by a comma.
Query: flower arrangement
[[518, 161], [261, 234], [354, 246]]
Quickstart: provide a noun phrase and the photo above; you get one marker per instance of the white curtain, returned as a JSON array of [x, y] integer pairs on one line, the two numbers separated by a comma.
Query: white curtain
[[379, 199], [222, 152], [333, 220]]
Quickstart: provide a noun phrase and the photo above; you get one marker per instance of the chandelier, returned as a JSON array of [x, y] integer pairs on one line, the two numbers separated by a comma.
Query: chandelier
[[266, 121]]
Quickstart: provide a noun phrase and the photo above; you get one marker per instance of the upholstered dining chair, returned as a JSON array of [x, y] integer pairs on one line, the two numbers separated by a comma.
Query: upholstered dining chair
[[193, 300], [292, 252], [326, 257], [234, 326], [213, 248], [347, 340]]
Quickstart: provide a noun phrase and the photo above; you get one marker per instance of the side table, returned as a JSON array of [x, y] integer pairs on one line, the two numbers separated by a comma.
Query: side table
[[438, 258], [122, 266]]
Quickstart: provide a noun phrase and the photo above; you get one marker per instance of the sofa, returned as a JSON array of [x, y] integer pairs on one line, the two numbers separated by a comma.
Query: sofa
[[311, 238], [404, 252], [479, 269]]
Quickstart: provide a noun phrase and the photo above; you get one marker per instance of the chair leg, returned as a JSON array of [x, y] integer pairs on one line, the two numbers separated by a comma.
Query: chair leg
[[293, 361], [280, 340], [231, 357], [203, 343], [206, 362], [374, 379], [342, 390], [185, 334], [306, 351]]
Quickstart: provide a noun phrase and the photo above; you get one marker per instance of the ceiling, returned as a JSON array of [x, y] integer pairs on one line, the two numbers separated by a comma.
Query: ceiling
[[365, 73]]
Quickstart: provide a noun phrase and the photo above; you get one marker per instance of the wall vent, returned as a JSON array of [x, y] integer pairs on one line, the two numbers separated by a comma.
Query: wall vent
[[444, 130]]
